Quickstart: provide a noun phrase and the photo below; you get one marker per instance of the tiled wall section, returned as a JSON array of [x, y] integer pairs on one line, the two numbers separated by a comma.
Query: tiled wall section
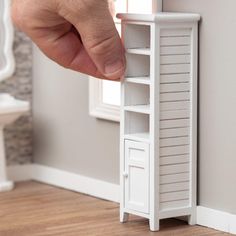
[[18, 136]]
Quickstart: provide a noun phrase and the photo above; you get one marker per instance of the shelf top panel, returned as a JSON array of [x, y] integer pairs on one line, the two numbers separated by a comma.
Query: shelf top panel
[[160, 17], [140, 137], [139, 51], [145, 109], [138, 80]]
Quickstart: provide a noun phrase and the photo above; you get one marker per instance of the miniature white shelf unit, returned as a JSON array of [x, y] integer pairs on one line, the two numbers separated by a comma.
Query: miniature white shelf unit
[[159, 117]]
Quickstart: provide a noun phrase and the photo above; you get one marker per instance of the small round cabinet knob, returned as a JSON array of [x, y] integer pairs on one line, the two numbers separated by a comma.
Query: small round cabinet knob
[[125, 174]]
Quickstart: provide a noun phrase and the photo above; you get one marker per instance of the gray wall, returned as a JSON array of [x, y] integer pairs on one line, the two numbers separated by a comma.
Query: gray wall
[[217, 149], [67, 138], [19, 135]]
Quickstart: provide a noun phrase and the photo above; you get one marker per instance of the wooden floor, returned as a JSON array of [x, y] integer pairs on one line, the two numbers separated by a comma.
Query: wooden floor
[[35, 209]]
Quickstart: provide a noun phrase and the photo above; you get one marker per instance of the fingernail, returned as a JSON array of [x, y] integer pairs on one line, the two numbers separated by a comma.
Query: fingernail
[[116, 67]]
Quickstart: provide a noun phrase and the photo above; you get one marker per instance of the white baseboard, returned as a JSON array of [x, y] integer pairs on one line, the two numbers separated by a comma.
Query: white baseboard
[[64, 179], [215, 219], [211, 218]]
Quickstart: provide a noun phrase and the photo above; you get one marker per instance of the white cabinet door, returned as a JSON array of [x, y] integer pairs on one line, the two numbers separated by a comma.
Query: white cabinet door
[[137, 176]]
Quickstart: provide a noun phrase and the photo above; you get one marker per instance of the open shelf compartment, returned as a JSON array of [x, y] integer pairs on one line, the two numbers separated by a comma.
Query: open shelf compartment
[[137, 98], [138, 80], [137, 36], [138, 67], [136, 126]]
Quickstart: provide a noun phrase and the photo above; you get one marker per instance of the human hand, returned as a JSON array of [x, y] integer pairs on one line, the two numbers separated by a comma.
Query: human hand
[[77, 34]]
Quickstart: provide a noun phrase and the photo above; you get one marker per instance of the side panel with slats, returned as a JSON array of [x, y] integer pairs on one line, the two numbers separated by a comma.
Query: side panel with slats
[[175, 108]]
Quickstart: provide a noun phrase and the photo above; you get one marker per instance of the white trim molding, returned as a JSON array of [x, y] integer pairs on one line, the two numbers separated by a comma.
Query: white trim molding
[[207, 217], [215, 219], [7, 62], [66, 180]]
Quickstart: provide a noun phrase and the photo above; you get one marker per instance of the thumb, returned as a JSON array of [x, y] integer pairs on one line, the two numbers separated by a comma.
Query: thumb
[[98, 33]]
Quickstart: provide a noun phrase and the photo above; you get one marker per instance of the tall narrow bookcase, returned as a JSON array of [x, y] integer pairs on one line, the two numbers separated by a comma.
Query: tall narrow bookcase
[[159, 117]]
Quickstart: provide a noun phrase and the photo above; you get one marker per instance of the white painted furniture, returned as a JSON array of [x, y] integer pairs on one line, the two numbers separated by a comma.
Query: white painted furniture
[[159, 117], [10, 108]]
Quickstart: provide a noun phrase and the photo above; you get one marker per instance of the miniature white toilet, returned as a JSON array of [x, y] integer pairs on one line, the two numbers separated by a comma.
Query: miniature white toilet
[[10, 108]]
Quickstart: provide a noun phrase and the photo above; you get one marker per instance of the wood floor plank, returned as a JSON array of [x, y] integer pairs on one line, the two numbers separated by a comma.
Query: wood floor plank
[[35, 209]]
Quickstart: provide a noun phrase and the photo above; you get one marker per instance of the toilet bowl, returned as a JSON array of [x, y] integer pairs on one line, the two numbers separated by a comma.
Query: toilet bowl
[[10, 110]]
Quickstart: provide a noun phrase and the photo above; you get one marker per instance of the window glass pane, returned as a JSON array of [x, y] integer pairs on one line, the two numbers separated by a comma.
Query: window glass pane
[[140, 6], [120, 5], [111, 92]]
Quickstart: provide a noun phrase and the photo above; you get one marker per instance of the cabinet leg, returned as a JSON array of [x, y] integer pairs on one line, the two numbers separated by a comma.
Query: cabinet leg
[[192, 219], [154, 225], [124, 217]]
